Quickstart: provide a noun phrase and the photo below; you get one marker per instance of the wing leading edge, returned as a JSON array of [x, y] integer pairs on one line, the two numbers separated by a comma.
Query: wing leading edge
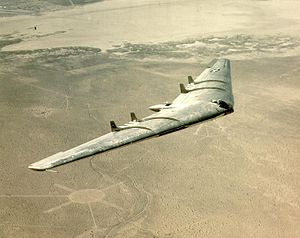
[[206, 97]]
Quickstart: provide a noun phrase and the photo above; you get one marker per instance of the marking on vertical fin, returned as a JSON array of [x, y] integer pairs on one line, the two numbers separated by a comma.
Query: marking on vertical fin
[[166, 118]]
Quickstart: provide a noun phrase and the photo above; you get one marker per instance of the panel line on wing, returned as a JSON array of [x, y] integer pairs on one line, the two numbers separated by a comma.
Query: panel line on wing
[[196, 89], [164, 118], [133, 127], [210, 80]]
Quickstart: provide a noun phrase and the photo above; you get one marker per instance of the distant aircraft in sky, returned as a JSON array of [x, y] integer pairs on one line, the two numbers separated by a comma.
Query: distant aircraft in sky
[[206, 97]]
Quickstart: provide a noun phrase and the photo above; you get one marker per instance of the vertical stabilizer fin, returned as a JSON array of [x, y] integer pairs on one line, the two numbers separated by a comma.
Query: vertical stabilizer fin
[[133, 116], [190, 79], [182, 88], [113, 126]]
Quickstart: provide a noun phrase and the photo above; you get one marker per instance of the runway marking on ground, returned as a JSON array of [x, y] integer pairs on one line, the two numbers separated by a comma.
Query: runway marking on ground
[[113, 185], [24, 225], [64, 187], [58, 207], [92, 215], [83, 196], [31, 196]]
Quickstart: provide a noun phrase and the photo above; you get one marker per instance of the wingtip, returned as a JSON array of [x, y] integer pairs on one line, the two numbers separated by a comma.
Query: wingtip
[[38, 168]]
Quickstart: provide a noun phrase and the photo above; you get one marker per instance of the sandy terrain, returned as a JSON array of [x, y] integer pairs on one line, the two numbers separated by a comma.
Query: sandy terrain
[[107, 23], [237, 176]]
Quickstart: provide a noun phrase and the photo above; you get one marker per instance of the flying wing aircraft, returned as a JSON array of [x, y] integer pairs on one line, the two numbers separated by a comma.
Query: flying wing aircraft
[[206, 97]]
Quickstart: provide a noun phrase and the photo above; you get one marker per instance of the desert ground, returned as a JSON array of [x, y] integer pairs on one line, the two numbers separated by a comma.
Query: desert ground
[[89, 62]]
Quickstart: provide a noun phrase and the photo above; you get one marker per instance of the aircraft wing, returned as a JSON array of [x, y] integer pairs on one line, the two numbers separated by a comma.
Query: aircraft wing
[[206, 97]]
